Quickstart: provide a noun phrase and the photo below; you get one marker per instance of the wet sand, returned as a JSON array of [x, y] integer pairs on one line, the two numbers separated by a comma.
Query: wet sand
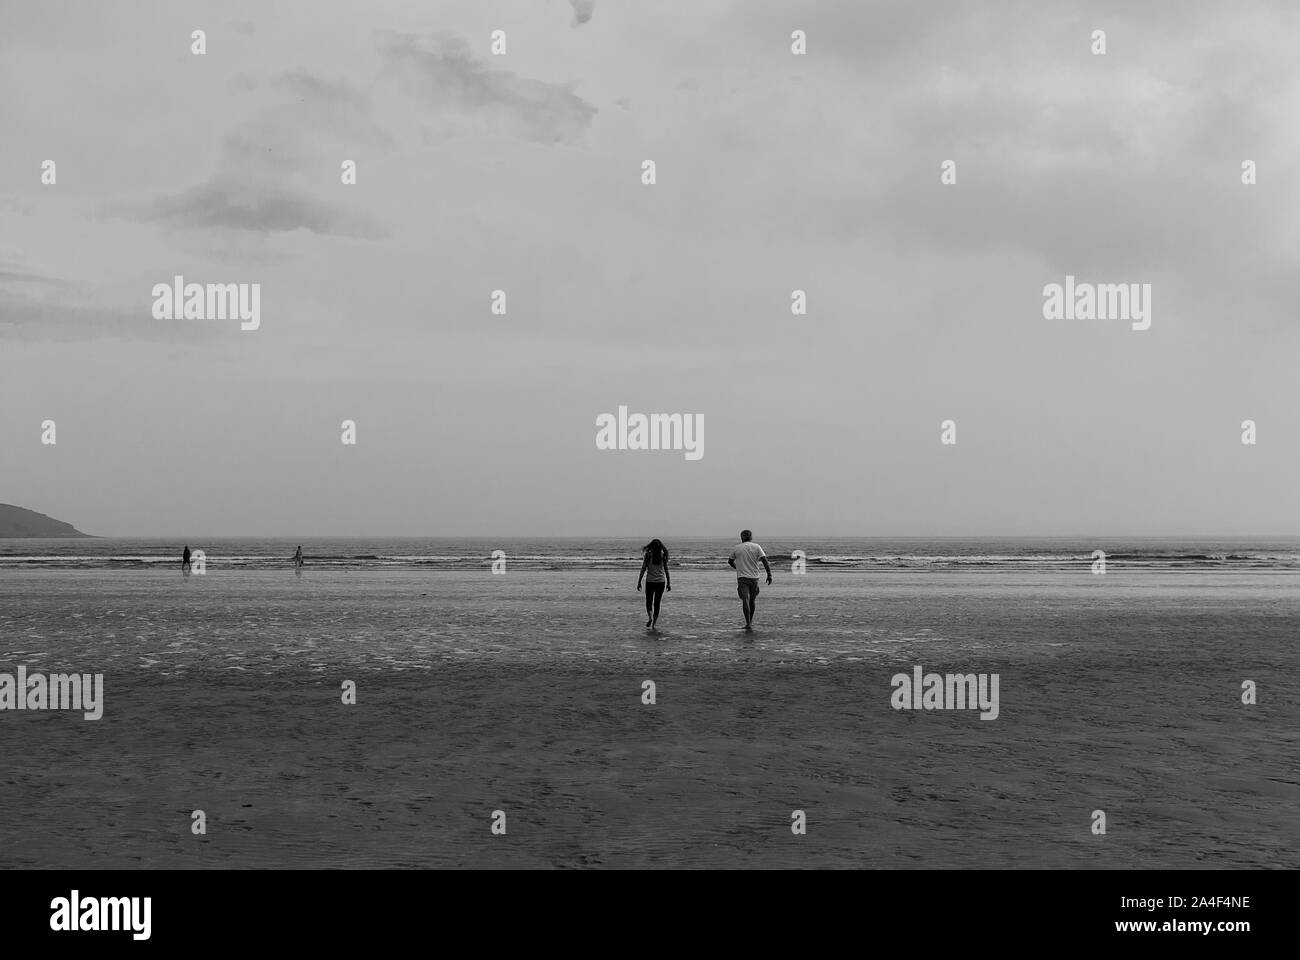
[[1126, 703]]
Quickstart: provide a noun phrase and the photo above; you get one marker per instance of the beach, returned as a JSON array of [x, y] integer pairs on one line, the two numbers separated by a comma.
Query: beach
[[523, 693]]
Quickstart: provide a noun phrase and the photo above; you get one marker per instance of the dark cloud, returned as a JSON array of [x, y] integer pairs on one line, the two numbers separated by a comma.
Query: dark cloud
[[582, 10], [260, 207]]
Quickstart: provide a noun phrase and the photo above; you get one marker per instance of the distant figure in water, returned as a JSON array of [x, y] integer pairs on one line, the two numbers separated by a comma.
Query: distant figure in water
[[654, 568], [297, 557], [185, 557]]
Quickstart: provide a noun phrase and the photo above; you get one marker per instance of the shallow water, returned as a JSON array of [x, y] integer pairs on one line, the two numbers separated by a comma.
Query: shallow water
[[262, 621]]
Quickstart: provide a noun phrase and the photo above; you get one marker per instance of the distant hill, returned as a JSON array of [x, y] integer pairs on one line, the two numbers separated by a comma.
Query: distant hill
[[15, 522]]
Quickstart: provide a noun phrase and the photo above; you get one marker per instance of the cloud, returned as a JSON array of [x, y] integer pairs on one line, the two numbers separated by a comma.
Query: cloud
[[1119, 166], [253, 187], [32, 318], [315, 116], [225, 203], [20, 277], [307, 85], [443, 72], [582, 10]]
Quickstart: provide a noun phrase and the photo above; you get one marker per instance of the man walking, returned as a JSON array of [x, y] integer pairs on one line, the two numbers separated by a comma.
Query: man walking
[[745, 560]]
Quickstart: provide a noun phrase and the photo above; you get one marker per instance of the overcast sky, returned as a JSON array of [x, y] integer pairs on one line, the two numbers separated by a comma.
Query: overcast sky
[[775, 172]]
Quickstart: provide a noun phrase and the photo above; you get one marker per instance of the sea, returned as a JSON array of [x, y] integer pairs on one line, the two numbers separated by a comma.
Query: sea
[[845, 553]]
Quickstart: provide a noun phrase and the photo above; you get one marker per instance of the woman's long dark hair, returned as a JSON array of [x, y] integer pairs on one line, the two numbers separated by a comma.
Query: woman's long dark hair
[[658, 552]]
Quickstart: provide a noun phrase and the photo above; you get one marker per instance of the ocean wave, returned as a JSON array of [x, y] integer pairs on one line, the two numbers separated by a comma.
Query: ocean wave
[[581, 561]]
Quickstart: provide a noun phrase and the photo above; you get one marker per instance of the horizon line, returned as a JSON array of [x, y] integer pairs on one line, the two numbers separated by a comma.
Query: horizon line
[[676, 536]]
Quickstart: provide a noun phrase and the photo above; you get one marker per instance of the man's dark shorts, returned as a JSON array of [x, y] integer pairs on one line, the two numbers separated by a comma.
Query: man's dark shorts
[[747, 587]]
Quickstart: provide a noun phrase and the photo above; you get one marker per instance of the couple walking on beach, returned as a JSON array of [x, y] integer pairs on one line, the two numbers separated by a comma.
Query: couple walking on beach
[[744, 559]]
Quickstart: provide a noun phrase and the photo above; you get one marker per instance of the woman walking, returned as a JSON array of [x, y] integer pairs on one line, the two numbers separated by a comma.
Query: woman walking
[[654, 570]]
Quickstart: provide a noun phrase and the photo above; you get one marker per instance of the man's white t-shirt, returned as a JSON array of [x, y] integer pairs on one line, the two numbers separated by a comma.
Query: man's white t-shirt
[[746, 556]]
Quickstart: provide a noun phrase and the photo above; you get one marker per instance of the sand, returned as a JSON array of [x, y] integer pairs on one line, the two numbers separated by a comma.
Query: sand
[[1126, 700]]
